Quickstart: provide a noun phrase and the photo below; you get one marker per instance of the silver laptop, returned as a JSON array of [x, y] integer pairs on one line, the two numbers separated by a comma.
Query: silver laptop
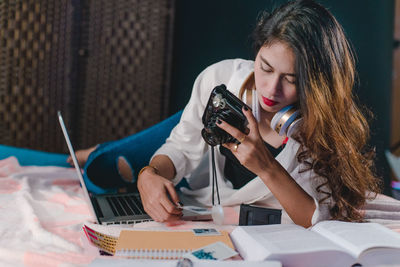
[[126, 208]]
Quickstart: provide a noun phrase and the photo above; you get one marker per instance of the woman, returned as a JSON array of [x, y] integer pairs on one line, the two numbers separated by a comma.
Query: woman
[[302, 58]]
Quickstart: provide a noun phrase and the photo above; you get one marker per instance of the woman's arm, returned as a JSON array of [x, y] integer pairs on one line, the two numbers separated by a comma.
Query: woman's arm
[[185, 148], [252, 154], [164, 166], [299, 205]]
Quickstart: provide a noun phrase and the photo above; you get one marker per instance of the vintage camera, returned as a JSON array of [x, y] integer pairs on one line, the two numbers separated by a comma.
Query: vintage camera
[[225, 106]]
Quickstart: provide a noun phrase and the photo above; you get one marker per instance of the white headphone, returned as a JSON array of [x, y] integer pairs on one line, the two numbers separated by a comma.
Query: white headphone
[[286, 120]]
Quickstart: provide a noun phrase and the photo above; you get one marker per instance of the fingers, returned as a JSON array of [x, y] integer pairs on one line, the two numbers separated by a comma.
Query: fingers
[[230, 129], [169, 207], [172, 192], [253, 126], [156, 212], [162, 210], [250, 118], [155, 191], [165, 211], [231, 146]]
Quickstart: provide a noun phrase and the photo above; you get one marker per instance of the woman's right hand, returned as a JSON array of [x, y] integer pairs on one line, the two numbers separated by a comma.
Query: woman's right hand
[[159, 197]]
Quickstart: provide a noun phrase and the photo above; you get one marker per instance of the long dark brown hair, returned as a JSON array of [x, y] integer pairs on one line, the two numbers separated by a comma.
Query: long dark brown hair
[[334, 132]]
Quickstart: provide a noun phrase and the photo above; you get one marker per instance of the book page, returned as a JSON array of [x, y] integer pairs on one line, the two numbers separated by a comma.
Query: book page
[[285, 239], [358, 237], [380, 257]]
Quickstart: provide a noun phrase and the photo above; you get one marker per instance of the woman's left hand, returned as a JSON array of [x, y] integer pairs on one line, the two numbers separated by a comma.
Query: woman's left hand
[[251, 152]]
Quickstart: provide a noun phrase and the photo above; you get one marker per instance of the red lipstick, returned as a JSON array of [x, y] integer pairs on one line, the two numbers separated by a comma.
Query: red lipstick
[[269, 102]]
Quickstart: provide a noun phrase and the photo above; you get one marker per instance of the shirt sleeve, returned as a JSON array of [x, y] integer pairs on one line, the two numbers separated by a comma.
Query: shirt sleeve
[[321, 212], [309, 181], [185, 145]]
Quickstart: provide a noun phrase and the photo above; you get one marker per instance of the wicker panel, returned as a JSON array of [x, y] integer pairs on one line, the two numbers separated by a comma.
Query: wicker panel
[[126, 57], [35, 60], [104, 63]]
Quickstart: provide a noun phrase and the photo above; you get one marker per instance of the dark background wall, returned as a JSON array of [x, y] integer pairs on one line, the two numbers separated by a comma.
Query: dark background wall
[[208, 31]]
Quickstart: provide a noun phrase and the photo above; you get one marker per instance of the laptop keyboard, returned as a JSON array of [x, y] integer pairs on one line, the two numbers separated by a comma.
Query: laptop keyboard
[[126, 205]]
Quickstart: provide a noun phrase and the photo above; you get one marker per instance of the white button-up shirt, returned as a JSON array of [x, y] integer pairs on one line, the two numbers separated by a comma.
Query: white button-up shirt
[[191, 157]]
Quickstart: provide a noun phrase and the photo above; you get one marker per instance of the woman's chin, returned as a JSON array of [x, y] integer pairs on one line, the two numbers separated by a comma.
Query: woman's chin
[[270, 109]]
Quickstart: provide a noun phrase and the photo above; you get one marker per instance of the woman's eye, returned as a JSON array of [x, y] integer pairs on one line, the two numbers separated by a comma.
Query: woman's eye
[[265, 68], [291, 80]]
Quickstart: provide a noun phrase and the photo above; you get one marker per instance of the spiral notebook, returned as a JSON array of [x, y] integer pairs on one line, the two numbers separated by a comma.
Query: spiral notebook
[[164, 244], [106, 243]]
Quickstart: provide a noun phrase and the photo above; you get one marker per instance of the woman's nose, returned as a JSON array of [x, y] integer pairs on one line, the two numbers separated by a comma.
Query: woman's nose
[[273, 86]]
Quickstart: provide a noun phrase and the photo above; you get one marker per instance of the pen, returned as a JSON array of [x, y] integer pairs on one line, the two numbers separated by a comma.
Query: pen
[[179, 205]]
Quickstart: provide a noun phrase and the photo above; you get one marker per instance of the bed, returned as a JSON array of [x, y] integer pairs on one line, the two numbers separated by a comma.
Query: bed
[[43, 210]]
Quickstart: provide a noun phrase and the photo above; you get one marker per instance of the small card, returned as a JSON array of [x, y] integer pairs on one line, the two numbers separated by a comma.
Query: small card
[[215, 251], [205, 231], [198, 210]]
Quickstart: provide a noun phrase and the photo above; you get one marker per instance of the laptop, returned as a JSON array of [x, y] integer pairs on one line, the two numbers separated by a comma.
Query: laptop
[[126, 208]]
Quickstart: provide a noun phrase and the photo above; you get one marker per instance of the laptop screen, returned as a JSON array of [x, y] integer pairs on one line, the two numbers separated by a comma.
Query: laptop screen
[[77, 168]]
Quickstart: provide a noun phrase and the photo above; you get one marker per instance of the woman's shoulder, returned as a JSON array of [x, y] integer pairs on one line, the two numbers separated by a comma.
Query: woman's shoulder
[[231, 72], [225, 69], [232, 65]]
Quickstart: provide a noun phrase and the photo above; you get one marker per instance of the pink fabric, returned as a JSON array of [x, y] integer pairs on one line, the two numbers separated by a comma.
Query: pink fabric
[[384, 210], [42, 212]]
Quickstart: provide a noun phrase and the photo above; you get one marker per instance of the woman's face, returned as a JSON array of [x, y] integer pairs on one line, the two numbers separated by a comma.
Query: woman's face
[[275, 77]]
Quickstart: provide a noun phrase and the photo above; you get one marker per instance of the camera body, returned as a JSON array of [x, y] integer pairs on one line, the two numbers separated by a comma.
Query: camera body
[[223, 105]]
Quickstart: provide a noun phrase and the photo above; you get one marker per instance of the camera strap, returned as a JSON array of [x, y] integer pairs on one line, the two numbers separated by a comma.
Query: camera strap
[[214, 177]]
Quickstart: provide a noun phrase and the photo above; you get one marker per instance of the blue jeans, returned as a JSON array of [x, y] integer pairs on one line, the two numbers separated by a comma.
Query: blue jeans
[[101, 169]]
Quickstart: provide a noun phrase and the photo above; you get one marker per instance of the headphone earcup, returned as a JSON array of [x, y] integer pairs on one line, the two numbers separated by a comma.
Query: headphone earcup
[[285, 121], [293, 126]]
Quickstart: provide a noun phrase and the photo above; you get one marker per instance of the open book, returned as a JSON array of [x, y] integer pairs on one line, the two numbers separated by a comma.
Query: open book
[[328, 243]]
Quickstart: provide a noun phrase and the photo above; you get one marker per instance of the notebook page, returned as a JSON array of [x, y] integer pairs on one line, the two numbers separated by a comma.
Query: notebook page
[[357, 237]]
